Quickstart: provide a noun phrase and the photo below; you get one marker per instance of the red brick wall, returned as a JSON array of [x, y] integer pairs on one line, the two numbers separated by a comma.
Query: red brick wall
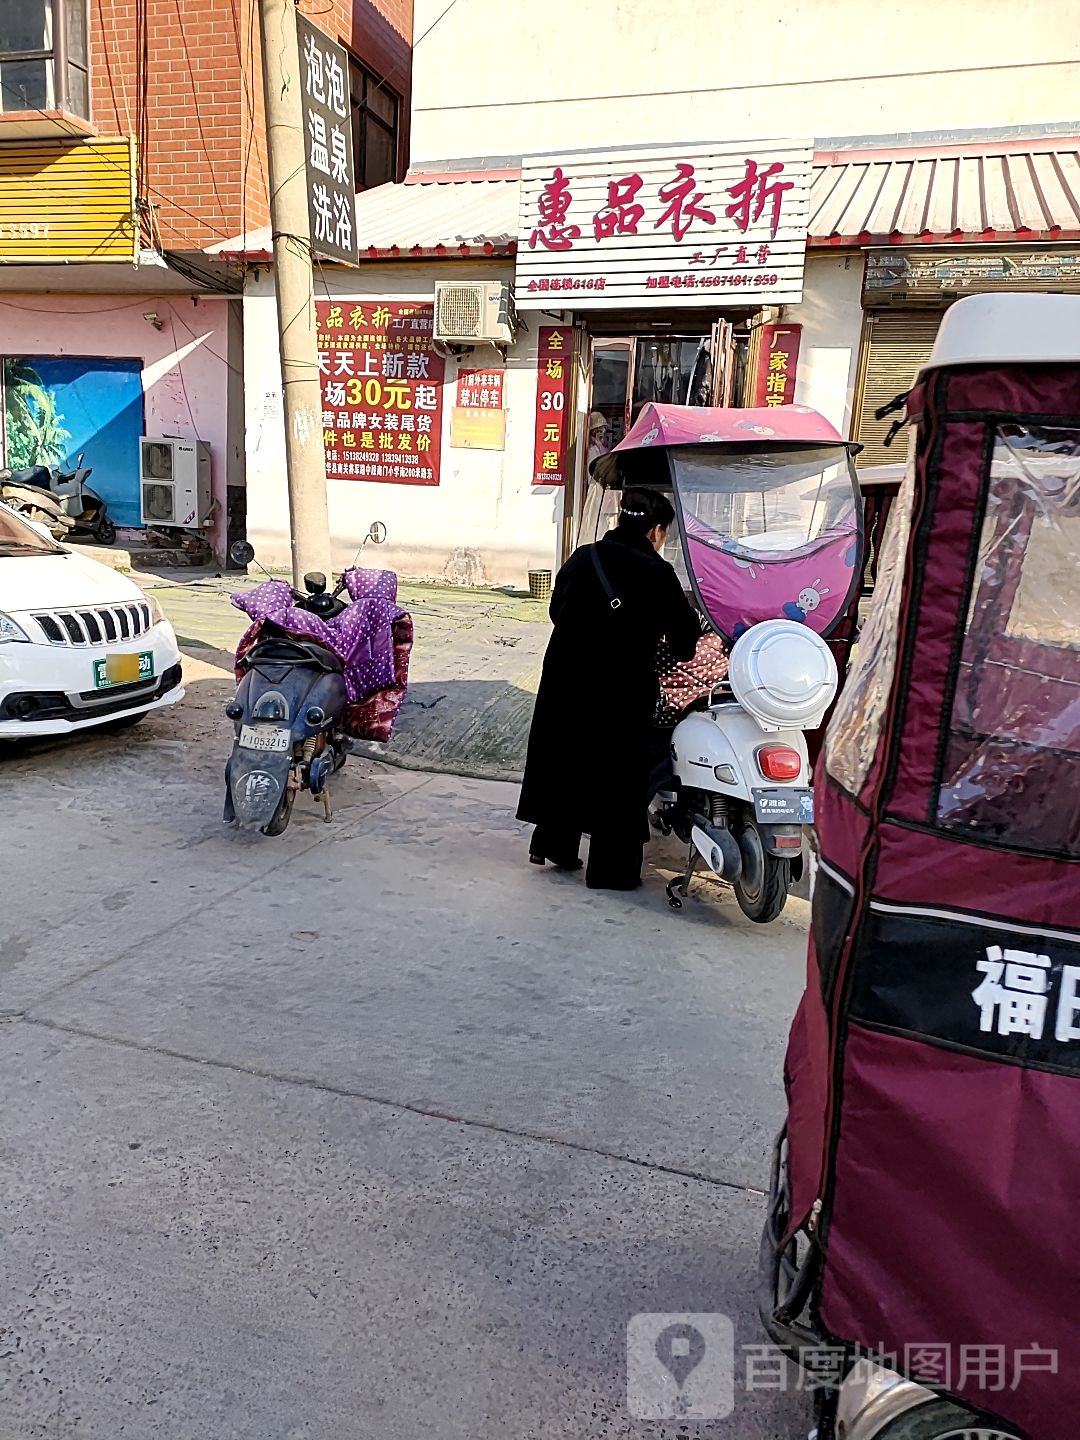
[[202, 166]]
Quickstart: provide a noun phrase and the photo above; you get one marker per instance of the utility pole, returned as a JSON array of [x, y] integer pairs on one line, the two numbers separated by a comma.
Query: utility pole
[[305, 458]]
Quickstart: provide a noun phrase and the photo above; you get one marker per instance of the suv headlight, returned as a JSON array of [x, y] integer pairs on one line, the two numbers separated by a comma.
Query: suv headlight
[[9, 631], [157, 615]]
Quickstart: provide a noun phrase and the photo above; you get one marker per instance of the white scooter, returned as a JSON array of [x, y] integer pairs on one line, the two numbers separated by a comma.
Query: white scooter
[[769, 542], [741, 793]]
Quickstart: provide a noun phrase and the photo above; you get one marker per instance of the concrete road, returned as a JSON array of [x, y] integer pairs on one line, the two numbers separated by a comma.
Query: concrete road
[[473, 674], [372, 1130]]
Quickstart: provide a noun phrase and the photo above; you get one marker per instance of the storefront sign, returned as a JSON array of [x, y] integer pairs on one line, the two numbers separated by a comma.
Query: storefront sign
[[553, 361], [64, 202], [329, 173], [382, 391], [478, 420], [778, 359], [718, 225], [904, 275]]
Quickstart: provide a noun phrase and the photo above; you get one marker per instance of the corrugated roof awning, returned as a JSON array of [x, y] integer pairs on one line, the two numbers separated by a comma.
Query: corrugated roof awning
[[979, 194], [428, 217]]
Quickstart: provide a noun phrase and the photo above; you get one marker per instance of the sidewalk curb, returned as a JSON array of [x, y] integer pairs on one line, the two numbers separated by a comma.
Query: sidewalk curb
[[372, 750]]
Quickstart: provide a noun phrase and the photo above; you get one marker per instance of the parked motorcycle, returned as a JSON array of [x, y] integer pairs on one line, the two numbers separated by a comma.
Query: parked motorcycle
[[62, 499], [307, 667], [769, 543], [34, 502]]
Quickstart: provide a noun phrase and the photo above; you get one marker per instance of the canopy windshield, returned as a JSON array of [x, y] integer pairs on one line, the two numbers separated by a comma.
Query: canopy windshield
[[769, 533]]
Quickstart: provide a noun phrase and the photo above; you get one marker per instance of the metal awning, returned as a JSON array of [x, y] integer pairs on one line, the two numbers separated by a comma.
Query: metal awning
[[981, 194], [429, 216]]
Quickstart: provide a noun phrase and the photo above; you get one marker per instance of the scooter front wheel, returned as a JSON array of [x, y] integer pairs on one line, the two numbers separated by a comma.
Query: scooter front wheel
[[104, 531], [762, 888], [279, 821]]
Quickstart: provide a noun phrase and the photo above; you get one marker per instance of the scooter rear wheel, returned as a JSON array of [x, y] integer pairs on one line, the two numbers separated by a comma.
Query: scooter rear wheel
[[762, 888], [942, 1420]]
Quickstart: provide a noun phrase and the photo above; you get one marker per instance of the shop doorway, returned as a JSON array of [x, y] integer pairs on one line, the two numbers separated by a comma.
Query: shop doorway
[[629, 372], [626, 372]]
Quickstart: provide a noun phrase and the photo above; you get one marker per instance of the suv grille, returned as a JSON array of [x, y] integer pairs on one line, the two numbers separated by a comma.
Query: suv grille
[[94, 627]]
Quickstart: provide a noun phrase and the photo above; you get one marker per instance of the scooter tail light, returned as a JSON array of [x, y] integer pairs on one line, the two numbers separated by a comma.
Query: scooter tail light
[[779, 762]]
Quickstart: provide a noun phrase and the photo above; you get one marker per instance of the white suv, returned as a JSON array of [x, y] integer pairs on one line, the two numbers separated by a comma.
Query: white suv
[[80, 644]]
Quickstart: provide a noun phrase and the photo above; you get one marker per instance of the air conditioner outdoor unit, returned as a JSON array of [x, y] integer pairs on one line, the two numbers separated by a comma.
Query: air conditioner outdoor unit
[[174, 482], [475, 312]]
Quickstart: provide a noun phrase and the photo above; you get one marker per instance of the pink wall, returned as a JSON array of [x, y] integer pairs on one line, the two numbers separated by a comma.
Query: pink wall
[[185, 370]]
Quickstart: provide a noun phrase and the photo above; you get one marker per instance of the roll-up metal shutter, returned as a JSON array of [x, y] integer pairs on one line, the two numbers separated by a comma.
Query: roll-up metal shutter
[[898, 343]]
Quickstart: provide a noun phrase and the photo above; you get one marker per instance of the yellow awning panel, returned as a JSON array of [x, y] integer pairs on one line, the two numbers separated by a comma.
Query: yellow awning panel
[[64, 201]]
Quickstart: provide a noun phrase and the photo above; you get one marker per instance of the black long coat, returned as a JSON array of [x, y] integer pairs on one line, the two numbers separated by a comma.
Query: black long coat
[[589, 746]]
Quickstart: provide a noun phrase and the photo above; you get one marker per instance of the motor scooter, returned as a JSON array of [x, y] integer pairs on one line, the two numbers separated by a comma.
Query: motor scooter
[[34, 501], [63, 499], [305, 667], [769, 543]]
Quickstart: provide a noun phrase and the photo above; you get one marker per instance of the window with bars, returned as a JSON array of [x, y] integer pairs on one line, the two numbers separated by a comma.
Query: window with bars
[[45, 56], [376, 112]]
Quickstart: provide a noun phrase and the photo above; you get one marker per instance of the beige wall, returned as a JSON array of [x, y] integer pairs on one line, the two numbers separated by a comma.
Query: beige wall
[[485, 523], [501, 77], [831, 318]]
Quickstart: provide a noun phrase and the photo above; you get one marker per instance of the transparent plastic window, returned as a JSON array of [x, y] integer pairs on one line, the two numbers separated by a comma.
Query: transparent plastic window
[[764, 503], [1012, 765], [852, 737]]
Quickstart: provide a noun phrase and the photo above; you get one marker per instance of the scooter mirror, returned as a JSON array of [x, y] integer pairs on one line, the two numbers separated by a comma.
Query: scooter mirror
[[377, 533], [241, 552]]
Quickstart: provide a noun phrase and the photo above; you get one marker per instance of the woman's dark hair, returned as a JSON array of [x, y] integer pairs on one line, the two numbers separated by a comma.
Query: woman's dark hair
[[641, 509]]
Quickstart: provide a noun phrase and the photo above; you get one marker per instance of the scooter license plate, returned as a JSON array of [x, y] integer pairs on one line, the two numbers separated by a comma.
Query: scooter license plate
[[259, 737], [784, 807]]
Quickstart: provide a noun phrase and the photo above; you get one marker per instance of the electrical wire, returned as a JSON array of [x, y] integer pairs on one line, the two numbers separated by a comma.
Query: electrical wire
[[180, 374], [73, 132], [205, 345], [198, 113]]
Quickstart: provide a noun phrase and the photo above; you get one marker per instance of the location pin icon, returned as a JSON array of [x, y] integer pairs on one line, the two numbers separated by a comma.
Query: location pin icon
[[680, 1349]]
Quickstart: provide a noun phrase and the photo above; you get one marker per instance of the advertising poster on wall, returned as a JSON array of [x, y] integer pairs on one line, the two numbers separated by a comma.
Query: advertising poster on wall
[[478, 420], [382, 385], [56, 408], [554, 357]]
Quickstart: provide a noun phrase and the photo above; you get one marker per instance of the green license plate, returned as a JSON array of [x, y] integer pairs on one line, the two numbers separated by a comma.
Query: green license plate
[[123, 669]]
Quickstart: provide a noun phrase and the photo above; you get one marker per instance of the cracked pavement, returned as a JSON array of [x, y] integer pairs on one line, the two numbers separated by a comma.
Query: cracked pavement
[[372, 1129]]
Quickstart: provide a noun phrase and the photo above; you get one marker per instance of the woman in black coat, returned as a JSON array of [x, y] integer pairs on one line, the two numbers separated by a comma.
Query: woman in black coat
[[588, 762]]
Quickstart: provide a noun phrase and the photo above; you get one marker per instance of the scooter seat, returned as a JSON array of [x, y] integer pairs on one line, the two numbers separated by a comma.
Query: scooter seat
[[285, 650], [38, 475]]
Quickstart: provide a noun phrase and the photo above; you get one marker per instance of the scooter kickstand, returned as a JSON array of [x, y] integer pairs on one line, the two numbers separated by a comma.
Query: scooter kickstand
[[324, 796], [681, 883]]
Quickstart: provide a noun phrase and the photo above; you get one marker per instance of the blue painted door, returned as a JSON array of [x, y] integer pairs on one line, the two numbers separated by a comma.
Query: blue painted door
[[57, 407]]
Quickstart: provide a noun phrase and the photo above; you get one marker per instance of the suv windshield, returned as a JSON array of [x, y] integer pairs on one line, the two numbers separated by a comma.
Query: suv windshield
[[18, 538]]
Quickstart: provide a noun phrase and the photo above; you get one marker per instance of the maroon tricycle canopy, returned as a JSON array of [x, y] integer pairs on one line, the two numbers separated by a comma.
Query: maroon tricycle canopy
[[926, 1188]]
